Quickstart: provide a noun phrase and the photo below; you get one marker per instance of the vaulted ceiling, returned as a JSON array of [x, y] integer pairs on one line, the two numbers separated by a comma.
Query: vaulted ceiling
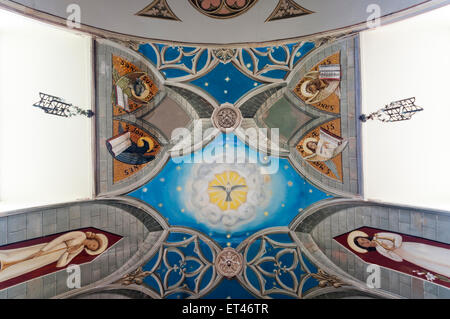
[[177, 87], [221, 22]]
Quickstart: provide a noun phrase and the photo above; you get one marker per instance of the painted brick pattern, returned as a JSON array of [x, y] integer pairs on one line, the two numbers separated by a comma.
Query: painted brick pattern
[[349, 122], [425, 224], [203, 108], [104, 126], [122, 219], [250, 107]]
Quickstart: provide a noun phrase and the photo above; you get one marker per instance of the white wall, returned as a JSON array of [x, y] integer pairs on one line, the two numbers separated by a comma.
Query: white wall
[[407, 163], [43, 159]]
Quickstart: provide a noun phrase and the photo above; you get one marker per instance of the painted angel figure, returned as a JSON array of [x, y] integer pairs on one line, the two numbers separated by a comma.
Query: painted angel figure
[[134, 86], [432, 258], [62, 250], [327, 147], [316, 90]]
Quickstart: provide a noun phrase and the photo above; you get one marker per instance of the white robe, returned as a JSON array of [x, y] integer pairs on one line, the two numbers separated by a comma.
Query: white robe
[[19, 261], [328, 147], [327, 151], [431, 258]]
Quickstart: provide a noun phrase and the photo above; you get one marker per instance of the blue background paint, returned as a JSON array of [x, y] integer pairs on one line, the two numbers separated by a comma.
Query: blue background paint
[[285, 204], [166, 192], [225, 82]]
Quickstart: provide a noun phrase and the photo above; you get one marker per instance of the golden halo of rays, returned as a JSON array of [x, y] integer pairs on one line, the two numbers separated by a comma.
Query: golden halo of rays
[[218, 196]]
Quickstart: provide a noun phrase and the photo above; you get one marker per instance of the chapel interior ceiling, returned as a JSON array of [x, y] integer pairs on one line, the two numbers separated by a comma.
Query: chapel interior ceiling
[[173, 218]]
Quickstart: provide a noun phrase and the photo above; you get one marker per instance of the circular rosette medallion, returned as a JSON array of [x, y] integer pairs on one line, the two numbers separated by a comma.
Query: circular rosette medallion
[[226, 118], [229, 262]]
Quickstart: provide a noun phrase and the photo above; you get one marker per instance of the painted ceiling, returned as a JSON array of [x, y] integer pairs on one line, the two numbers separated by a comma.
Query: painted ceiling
[[226, 191], [218, 21], [274, 193], [227, 75], [177, 204]]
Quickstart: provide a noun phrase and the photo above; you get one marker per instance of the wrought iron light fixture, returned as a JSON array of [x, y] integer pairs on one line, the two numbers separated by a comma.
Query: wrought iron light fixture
[[402, 110], [57, 106]]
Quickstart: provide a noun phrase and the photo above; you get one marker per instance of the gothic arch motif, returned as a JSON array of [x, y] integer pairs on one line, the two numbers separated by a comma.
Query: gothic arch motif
[[222, 9], [287, 9], [158, 9]]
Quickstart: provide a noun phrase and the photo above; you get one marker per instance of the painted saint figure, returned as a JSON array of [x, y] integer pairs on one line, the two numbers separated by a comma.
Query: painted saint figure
[[133, 153], [325, 148], [432, 258], [136, 86], [62, 250], [316, 90]]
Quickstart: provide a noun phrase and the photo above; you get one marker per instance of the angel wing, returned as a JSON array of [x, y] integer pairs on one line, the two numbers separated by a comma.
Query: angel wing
[[220, 187], [233, 188]]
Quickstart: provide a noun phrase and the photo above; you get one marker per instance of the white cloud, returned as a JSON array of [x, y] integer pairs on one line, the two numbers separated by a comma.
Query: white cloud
[[198, 203]]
